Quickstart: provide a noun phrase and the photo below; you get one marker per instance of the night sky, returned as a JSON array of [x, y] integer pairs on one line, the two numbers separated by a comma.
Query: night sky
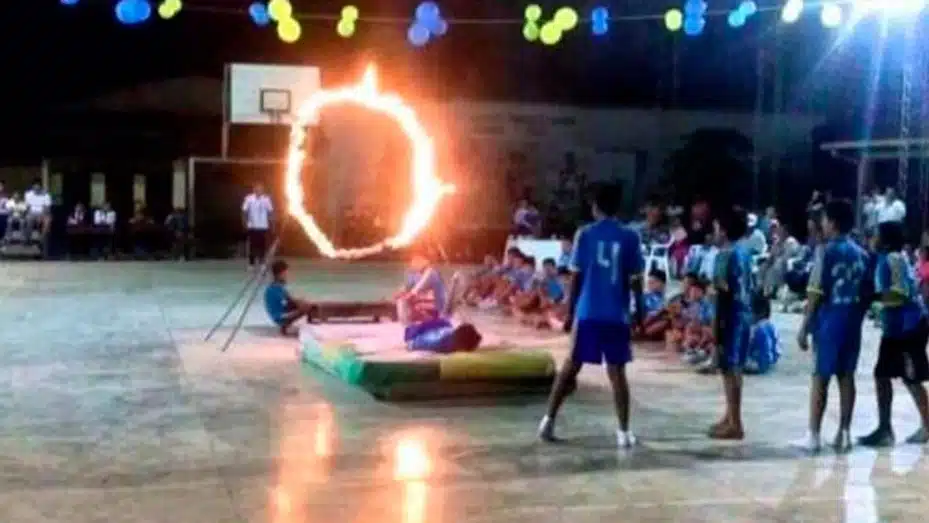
[[54, 54]]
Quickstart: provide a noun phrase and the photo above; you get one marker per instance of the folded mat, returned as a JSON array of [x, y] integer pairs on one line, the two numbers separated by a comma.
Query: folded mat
[[374, 358]]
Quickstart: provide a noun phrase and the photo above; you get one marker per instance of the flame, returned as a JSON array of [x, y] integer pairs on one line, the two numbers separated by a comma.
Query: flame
[[428, 189]]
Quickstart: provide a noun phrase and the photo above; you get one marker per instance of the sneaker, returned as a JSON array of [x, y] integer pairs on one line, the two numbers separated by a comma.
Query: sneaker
[[812, 443], [879, 438], [842, 441], [920, 437], [708, 366], [695, 356], [625, 439], [547, 429]]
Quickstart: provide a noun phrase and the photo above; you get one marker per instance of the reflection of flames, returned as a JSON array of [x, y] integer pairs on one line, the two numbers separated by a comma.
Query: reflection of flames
[[428, 189], [412, 466], [302, 461]]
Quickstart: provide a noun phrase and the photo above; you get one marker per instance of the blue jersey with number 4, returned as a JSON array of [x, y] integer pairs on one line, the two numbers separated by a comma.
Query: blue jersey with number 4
[[608, 255]]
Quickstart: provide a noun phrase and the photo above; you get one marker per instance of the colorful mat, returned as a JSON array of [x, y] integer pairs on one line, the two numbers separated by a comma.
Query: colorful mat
[[373, 358]]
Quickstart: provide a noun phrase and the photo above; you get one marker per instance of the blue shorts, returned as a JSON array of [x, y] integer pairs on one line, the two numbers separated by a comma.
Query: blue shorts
[[837, 343], [598, 341], [735, 346]]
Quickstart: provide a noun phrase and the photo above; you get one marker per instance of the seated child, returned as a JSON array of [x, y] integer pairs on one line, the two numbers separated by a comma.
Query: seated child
[[764, 348], [482, 286], [423, 296], [547, 291], [692, 334], [441, 337], [519, 278], [654, 302], [657, 323], [283, 309]]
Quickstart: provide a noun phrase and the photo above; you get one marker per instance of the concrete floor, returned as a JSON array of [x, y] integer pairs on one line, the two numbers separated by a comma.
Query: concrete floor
[[113, 410]]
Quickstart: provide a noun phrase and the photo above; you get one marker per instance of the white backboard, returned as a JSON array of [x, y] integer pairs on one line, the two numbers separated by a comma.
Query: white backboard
[[256, 91]]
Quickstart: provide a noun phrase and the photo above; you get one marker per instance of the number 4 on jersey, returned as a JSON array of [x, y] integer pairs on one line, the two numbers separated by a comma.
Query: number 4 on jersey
[[608, 258]]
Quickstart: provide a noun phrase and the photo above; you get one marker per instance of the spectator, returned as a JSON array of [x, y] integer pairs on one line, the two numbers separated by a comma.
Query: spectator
[[78, 216], [257, 211], [764, 347], [817, 201], [871, 210], [526, 219], [784, 248], [4, 210], [38, 204], [699, 222], [922, 272], [892, 209], [679, 245], [767, 221], [105, 229], [755, 240], [653, 229], [176, 225], [16, 209]]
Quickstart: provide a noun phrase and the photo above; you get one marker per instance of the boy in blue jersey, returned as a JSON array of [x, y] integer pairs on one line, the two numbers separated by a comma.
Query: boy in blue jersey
[[902, 352], [283, 309], [764, 349], [423, 295], [835, 309], [732, 279], [607, 264]]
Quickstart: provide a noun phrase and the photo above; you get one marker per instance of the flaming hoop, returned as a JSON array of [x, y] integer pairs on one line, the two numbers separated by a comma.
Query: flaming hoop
[[428, 189]]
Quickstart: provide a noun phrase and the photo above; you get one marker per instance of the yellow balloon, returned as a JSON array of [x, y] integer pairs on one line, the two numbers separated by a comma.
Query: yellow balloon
[[350, 13], [673, 19], [288, 30], [168, 9], [345, 28], [280, 10], [531, 31], [566, 18], [533, 12], [550, 33]]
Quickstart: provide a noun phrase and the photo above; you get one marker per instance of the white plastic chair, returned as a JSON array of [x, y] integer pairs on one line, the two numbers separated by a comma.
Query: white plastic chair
[[659, 257]]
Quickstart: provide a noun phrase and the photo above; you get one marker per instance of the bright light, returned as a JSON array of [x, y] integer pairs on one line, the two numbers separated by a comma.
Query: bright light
[[889, 7], [428, 189], [791, 11], [831, 15]]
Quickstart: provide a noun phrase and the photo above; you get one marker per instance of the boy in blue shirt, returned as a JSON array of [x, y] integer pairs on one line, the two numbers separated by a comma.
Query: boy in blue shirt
[[423, 296], [732, 278], [283, 309], [835, 300], [902, 352], [764, 349], [607, 264]]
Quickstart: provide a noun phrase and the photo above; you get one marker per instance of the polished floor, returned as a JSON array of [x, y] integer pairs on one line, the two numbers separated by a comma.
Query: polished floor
[[113, 409]]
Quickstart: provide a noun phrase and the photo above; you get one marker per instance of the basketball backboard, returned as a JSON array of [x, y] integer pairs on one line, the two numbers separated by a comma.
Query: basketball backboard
[[265, 94]]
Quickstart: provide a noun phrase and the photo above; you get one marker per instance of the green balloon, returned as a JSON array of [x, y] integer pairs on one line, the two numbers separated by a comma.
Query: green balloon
[[550, 34], [533, 13], [531, 31], [346, 28]]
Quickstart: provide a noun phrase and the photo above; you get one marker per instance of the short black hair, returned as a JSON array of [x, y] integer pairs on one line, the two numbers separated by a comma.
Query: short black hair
[[841, 212], [278, 267], [514, 251], [701, 284], [563, 271], [608, 198], [761, 305], [659, 275], [549, 261], [465, 337], [733, 222], [890, 236], [530, 260], [692, 275]]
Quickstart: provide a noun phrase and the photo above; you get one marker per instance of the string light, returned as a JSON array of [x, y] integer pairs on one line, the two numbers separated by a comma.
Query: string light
[[133, 12], [532, 15], [427, 23], [69, 2], [280, 10], [792, 11], [831, 15], [289, 30], [258, 12], [348, 17], [673, 19], [168, 8], [694, 17], [600, 21]]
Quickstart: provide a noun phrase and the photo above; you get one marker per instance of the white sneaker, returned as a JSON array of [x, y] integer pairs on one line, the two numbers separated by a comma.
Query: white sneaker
[[842, 441], [625, 439], [547, 429], [812, 443]]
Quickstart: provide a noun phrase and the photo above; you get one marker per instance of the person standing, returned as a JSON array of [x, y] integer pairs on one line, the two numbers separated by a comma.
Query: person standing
[[607, 264], [893, 208], [39, 205], [4, 211], [257, 216]]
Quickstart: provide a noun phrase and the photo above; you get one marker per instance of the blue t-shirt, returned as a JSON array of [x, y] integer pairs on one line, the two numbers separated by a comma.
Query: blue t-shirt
[[895, 282], [434, 288], [701, 311], [732, 273], [430, 336], [764, 349], [839, 277], [523, 278], [608, 255], [552, 288], [653, 302], [276, 301]]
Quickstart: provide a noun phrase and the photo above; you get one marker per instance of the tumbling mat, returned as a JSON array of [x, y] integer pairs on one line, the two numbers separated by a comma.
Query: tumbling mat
[[373, 357]]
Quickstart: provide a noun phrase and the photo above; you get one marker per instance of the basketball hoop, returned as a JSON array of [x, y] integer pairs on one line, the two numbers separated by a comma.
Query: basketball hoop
[[275, 103]]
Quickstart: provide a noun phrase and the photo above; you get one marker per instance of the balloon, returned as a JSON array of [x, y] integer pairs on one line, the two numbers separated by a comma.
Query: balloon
[[748, 8], [694, 8], [168, 8], [550, 33], [735, 19], [280, 10], [427, 12], [694, 26], [259, 13], [350, 13], [131, 12], [673, 19], [533, 12], [531, 31], [345, 28], [418, 35], [288, 30], [566, 18], [69, 2], [441, 27], [600, 21]]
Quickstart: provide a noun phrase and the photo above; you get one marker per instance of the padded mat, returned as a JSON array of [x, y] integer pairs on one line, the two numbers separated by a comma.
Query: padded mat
[[373, 357]]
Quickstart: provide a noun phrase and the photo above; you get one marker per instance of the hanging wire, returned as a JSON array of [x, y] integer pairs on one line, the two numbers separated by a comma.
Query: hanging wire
[[906, 108]]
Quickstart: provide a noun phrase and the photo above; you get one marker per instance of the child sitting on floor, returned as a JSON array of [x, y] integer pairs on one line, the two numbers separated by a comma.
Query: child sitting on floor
[[653, 299], [693, 334], [532, 307], [764, 348], [441, 337], [657, 325], [482, 281], [283, 309], [423, 296], [519, 278]]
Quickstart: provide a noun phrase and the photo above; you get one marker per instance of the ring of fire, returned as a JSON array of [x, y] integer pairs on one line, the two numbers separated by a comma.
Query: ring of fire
[[428, 189]]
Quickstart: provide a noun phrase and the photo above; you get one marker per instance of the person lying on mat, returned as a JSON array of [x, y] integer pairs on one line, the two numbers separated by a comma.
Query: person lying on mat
[[423, 296], [441, 337], [283, 309]]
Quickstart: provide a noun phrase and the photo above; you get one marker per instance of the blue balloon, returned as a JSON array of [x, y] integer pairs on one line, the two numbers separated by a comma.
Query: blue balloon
[[418, 35], [259, 13], [736, 19], [748, 8], [600, 21], [132, 12], [694, 8], [69, 2], [600, 14], [427, 13], [439, 28], [693, 25]]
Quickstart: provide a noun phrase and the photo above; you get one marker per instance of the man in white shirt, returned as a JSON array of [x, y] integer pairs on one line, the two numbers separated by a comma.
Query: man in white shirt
[[892, 209], [105, 216], [38, 205], [257, 215]]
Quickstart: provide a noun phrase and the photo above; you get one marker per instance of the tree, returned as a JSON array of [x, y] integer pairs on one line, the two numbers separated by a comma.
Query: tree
[[713, 163]]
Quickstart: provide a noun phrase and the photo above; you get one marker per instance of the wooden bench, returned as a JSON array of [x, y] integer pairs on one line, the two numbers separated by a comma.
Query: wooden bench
[[357, 310]]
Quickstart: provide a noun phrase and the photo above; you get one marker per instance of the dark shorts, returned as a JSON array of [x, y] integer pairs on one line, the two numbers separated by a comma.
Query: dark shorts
[[597, 341], [734, 347], [837, 346], [904, 356]]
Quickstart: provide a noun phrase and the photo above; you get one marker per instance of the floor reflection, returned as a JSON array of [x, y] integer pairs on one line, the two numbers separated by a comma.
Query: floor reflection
[[413, 466], [307, 435]]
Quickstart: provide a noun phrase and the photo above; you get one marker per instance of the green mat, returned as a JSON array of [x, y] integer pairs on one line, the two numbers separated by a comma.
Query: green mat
[[395, 375]]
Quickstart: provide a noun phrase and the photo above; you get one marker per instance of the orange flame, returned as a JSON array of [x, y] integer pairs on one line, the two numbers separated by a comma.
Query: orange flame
[[428, 189]]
